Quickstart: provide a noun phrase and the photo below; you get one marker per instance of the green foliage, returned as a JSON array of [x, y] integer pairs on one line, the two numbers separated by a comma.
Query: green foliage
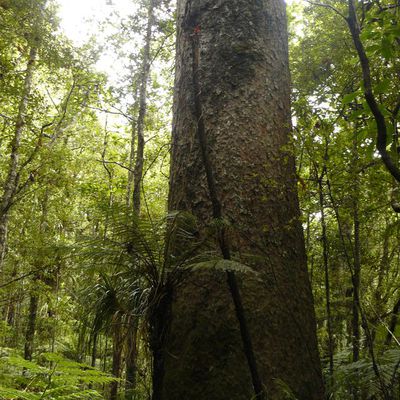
[[360, 375], [52, 377]]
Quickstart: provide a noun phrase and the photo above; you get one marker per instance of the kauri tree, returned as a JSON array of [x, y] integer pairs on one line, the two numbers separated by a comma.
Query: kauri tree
[[233, 168]]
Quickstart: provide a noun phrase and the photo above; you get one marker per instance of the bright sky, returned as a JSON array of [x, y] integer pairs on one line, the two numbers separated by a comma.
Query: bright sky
[[75, 14], [80, 20]]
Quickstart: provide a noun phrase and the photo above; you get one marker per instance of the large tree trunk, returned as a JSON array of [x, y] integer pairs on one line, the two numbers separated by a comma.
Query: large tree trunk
[[243, 80]]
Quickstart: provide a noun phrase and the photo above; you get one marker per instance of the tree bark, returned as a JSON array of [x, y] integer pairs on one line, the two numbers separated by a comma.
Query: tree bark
[[244, 93]]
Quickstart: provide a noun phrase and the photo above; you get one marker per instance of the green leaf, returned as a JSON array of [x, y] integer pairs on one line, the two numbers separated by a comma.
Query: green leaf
[[386, 48], [348, 98], [9, 393], [221, 264], [382, 86]]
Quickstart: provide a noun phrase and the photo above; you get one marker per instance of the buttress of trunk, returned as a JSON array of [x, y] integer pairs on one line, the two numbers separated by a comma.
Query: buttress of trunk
[[131, 362], [138, 171], [244, 90], [31, 327], [11, 181]]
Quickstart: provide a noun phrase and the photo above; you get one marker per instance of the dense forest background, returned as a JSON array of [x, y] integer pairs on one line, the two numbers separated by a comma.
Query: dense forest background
[[84, 174]]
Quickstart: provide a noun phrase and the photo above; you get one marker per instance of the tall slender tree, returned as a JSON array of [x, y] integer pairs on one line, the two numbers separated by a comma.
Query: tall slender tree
[[232, 162]]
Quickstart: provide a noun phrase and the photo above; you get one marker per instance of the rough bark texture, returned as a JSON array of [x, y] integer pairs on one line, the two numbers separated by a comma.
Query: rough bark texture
[[244, 91]]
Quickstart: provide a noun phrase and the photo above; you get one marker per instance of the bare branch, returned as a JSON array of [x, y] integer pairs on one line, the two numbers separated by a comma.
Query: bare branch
[[329, 7], [116, 163]]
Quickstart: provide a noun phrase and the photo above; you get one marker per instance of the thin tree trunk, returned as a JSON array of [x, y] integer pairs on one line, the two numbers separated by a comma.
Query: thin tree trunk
[[160, 320], [31, 327], [116, 358], [393, 323], [94, 349], [137, 177], [327, 280], [364, 322], [138, 171], [34, 297], [131, 176], [131, 362], [356, 262], [12, 179]]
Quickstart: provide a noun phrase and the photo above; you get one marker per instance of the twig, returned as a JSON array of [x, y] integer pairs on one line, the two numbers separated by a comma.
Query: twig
[[329, 7]]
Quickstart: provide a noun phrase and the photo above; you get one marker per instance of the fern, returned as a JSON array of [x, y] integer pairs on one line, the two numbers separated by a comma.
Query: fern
[[361, 376], [53, 378]]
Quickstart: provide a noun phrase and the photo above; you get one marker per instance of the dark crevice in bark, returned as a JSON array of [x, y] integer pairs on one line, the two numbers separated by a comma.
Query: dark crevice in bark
[[248, 347]]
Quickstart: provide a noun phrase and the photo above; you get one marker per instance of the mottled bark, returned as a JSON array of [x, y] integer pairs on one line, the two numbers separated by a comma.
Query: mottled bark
[[139, 162], [244, 94]]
